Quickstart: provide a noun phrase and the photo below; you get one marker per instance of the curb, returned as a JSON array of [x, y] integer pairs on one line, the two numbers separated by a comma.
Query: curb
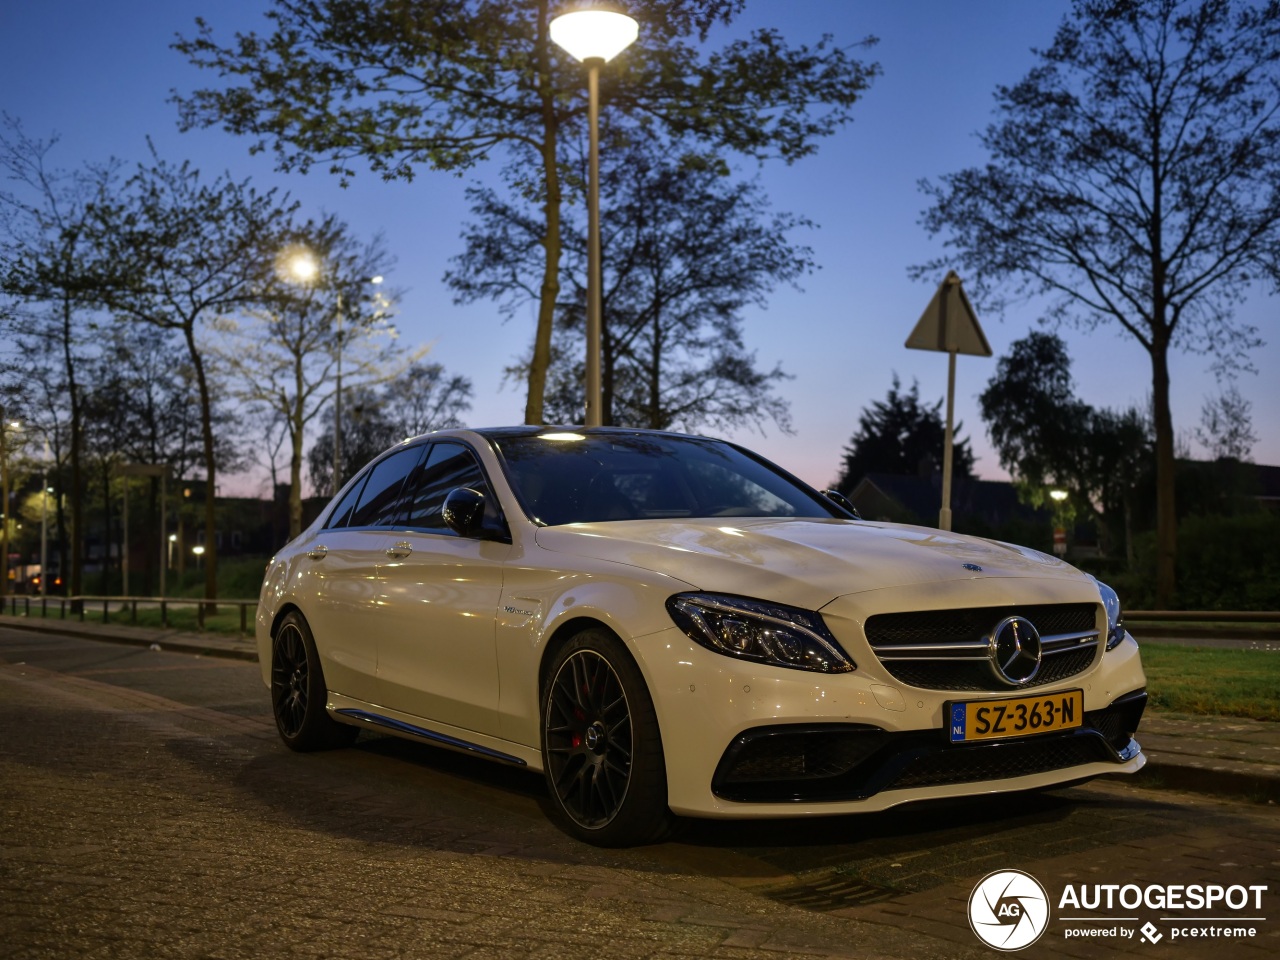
[[1254, 788], [173, 644]]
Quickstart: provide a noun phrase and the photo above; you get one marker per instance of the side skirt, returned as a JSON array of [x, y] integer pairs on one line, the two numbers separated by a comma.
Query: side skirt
[[361, 714]]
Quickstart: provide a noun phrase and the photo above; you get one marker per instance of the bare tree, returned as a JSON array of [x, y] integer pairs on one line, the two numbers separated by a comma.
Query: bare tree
[[45, 244], [1134, 179], [175, 252]]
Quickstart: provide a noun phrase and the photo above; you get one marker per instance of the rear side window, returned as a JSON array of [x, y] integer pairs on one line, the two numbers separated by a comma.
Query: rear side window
[[449, 465], [380, 501], [340, 515]]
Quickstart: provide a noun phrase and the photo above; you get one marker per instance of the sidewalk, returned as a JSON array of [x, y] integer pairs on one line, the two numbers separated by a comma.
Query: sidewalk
[[1219, 756]]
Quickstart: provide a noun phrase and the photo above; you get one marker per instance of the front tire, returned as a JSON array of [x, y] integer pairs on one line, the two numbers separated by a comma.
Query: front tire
[[298, 692], [601, 747]]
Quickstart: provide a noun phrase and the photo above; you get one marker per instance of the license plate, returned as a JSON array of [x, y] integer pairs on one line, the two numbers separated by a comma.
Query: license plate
[[1015, 716]]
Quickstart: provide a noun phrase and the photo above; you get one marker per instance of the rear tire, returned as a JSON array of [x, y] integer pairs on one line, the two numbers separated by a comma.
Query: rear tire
[[298, 692], [601, 746]]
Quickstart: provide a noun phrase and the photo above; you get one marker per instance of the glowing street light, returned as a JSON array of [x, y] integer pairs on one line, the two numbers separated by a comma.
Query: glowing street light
[[593, 36]]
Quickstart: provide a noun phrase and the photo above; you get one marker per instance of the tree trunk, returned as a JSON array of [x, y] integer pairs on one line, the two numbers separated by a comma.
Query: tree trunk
[[73, 578], [1166, 468], [210, 470], [550, 293], [295, 479], [108, 534]]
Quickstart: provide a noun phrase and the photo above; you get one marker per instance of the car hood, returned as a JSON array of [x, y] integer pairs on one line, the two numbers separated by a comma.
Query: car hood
[[807, 563]]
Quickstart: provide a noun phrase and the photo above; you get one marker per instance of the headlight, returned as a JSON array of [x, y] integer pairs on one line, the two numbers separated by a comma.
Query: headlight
[[1115, 622], [759, 631]]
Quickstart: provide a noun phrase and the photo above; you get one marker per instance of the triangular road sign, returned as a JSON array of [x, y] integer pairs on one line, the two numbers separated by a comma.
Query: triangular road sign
[[949, 324]]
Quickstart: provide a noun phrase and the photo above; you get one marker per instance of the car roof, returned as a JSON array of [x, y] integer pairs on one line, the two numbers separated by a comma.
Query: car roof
[[524, 430]]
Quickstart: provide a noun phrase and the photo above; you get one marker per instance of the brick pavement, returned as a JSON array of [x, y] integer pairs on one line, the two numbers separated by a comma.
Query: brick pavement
[[136, 824], [140, 826]]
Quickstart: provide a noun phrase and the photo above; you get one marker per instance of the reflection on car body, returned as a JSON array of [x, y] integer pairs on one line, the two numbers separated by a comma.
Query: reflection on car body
[[670, 624]]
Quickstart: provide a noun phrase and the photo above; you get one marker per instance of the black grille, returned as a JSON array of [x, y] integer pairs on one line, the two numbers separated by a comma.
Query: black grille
[[974, 623], [944, 670], [833, 762], [1119, 722], [785, 753], [1000, 761], [977, 675]]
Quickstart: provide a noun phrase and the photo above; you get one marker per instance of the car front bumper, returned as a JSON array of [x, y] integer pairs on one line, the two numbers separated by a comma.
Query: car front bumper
[[744, 740]]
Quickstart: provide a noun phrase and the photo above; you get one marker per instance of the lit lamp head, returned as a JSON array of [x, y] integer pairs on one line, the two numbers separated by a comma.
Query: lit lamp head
[[594, 33], [1058, 495], [298, 264]]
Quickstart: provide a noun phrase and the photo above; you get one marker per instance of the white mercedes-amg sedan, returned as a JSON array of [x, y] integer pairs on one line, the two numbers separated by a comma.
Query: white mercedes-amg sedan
[[668, 624]]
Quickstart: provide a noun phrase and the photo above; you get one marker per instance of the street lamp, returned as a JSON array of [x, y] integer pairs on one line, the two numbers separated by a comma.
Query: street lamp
[[594, 37], [198, 550], [6, 425], [45, 490], [301, 265]]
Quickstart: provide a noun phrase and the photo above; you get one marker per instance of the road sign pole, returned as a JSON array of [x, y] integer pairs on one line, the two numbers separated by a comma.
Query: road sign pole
[[949, 325], [944, 516]]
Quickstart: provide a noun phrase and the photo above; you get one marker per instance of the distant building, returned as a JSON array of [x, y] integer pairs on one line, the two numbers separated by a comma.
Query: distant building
[[988, 508], [908, 498]]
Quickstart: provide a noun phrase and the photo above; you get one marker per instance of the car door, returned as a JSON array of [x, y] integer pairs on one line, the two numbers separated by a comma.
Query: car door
[[437, 654], [340, 589]]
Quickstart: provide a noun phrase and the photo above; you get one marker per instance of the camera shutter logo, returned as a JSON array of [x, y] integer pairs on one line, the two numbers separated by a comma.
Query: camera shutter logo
[[1008, 910]]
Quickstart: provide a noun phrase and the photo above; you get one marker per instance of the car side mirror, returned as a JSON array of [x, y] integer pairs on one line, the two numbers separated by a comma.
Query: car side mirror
[[463, 511], [843, 502]]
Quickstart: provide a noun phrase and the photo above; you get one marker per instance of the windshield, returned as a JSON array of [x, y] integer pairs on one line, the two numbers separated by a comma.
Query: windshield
[[576, 478]]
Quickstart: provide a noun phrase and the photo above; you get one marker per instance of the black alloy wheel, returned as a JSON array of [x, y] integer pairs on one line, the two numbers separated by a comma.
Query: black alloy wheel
[[298, 691], [601, 746]]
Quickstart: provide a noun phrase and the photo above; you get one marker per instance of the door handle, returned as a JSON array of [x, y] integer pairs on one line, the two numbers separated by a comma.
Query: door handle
[[399, 550], [318, 552]]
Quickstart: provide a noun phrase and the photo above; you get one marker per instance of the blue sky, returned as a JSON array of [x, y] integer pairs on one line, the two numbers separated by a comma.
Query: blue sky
[[100, 74]]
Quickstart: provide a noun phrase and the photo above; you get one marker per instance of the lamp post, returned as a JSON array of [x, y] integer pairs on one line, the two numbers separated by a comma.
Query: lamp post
[[5, 426], [45, 490], [198, 550], [303, 267], [594, 37]]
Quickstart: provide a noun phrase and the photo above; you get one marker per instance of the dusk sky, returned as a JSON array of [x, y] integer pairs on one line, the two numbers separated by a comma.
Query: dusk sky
[[100, 75]]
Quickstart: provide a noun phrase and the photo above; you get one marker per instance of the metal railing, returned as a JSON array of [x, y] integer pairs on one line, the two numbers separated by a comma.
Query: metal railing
[[1205, 616], [78, 605]]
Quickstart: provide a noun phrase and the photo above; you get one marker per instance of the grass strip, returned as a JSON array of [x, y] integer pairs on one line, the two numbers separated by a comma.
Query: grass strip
[[1211, 681], [181, 617]]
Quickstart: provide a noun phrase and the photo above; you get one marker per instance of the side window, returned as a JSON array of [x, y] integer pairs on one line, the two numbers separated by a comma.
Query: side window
[[380, 501], [449, 465], [338, 518]]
